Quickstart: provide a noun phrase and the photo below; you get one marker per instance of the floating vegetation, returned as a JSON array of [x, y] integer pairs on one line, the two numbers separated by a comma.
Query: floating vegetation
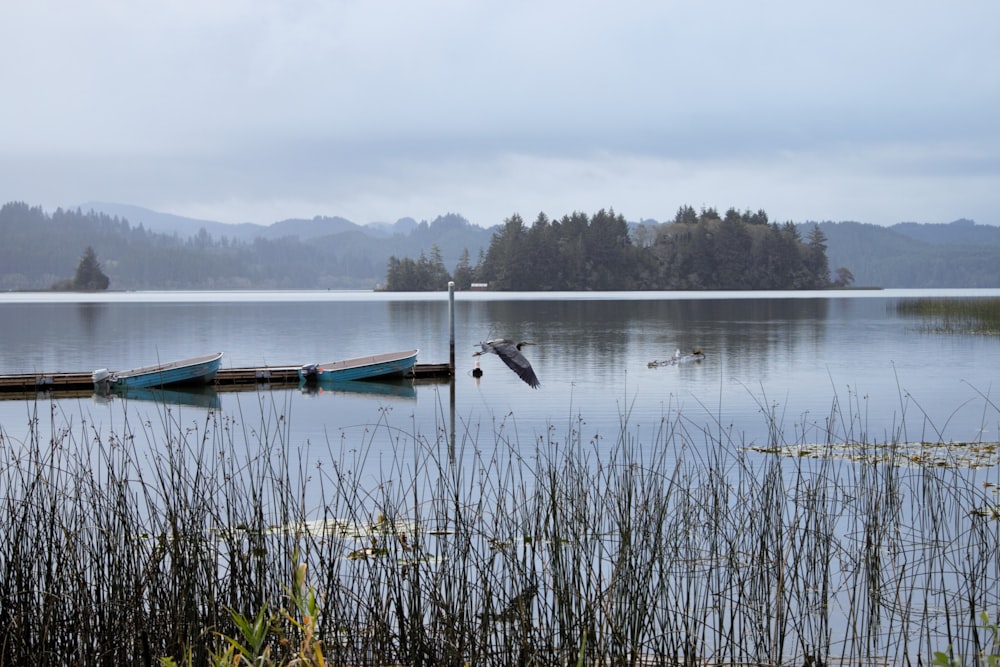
[[968, 455], [969, 315], [992, 512]]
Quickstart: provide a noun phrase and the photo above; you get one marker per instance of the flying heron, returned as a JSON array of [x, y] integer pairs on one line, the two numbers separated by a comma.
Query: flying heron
[[510, 353]]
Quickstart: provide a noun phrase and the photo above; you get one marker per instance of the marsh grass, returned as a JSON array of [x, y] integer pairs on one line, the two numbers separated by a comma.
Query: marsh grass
[[972, 315], [681, 546]]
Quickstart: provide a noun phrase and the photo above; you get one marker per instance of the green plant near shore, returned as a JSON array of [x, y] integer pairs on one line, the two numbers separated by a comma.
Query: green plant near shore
[[167, 539], [270, 638], [990, 655]]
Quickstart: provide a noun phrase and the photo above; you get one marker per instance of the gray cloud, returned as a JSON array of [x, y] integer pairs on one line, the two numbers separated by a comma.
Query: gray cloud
[[263, 110]]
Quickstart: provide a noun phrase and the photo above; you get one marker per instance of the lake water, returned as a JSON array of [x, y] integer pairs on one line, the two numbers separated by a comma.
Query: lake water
[[800, 357], [779, 369]]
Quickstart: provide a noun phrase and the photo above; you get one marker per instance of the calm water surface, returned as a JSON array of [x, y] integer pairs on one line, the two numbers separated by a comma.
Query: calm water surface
[[780, 368], [840, 363]]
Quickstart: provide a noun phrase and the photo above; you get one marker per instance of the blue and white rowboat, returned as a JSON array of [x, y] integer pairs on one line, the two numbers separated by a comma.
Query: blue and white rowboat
[[198, 370], [360, 368]]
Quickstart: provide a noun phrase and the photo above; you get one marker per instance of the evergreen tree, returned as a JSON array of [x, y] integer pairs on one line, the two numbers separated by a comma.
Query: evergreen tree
[[544, 261], [463, 271], [88, 273], [686, 214], [607, 244], [815, 260], [422, 275], [572, 233], [733, 254], [507, 265], [434, 275]]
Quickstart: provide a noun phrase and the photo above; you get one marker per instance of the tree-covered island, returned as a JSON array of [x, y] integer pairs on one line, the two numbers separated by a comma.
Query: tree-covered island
[[697, 251], [88, 278]]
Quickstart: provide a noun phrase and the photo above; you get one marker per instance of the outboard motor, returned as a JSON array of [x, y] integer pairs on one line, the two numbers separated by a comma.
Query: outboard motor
[[101, 378], [310, 373]]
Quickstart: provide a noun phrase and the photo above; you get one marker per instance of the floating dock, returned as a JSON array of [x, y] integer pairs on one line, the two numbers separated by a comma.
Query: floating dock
[[32, 383], [27, 384]]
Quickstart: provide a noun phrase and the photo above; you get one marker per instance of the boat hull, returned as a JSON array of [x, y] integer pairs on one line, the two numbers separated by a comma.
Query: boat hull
[[199, 370], [360, 368]]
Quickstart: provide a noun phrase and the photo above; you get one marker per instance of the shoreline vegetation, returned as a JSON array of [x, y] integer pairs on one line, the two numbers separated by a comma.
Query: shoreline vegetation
[[955, 316], [698, 251], [175, 542]]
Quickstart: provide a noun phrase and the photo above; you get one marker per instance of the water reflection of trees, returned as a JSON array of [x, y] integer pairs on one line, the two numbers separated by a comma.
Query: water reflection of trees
[[590, 330], [598, 335], [428, 320], [746, 332], [737, 328], [90, 315]]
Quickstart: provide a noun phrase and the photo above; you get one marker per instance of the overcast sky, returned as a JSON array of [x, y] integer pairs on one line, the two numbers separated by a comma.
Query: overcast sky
[[877, 111]]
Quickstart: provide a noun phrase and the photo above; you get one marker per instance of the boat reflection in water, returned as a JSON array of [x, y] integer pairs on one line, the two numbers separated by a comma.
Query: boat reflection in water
[[391, 388], [196, 396]]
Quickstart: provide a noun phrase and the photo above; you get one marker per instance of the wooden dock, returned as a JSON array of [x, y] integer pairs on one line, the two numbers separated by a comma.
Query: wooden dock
[[16, 384]]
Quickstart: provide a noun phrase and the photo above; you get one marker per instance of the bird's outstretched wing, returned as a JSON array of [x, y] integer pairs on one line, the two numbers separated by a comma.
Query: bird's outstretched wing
[[517, 362], [510, 352]]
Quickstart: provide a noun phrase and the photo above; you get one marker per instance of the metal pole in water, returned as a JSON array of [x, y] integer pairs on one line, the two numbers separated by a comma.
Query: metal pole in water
[[451, 326], [451, 366]]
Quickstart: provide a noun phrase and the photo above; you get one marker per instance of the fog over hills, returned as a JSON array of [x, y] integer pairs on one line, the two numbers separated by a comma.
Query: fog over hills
[[319, 226], [145, 249]]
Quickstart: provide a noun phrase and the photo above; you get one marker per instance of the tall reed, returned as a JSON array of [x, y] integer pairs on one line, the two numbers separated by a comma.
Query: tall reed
[[971, 315], [683, 545]]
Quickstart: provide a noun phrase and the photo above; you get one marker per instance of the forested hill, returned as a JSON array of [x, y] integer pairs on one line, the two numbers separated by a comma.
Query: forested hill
[[38, 250], [911, 255], [141, 249]]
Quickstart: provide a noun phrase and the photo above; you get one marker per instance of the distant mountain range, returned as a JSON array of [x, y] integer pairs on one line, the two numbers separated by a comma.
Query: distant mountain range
[[145, 249], [166, 223], [355, 256], [912, 255], [908, 254]]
